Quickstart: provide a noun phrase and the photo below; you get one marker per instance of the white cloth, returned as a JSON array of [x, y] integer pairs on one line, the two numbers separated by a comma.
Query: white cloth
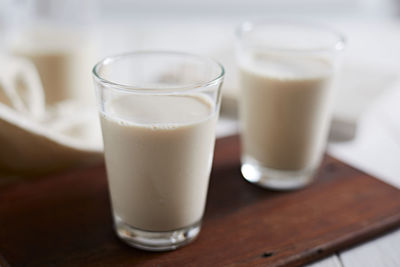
[[35, 139], [376, 148]]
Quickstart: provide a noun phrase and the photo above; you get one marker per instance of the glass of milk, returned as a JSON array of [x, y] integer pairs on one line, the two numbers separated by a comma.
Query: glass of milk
[[57, 37], [158, 113], [286, 70]]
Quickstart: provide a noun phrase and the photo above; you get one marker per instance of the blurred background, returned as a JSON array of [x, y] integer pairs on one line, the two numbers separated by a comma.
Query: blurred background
[[48, 48], [48, 117]]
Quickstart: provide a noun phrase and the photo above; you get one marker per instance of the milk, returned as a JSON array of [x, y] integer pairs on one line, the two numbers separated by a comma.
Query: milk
[[285, 103], [158, 152], [63, 59]]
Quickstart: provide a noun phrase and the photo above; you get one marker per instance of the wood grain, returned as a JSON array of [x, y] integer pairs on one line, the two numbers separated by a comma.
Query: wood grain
[[65, 220]]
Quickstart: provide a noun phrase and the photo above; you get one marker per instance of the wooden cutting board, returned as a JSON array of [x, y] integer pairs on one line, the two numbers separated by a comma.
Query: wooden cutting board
[[65, 220]]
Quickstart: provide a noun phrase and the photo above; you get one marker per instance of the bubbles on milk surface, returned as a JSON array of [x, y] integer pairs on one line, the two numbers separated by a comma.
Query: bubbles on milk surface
[[286, 67], [165, 112]]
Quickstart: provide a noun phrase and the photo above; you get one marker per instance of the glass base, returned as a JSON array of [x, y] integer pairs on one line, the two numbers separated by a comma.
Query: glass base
[[275, 179], [155, 241]]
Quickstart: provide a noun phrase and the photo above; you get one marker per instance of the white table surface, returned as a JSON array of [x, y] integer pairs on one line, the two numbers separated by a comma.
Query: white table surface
[[374, 45]]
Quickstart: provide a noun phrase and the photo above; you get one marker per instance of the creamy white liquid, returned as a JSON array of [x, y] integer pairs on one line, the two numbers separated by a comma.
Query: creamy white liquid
[[158, 152], [284, 110], [63, 59]]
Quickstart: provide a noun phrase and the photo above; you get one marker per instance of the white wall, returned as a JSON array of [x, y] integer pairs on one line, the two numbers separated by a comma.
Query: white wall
[[244, 8]]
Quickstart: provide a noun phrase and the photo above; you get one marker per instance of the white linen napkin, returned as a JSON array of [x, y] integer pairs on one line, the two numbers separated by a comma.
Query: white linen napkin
[[376, 148], [35, 139]]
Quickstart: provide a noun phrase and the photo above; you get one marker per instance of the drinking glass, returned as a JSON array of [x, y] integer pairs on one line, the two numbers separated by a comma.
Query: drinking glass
[[158, 112], [286, 71]]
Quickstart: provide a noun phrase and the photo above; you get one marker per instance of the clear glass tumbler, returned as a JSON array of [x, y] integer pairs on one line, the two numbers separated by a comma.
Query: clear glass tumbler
[[286, 70], [58, 37], [158, 113]]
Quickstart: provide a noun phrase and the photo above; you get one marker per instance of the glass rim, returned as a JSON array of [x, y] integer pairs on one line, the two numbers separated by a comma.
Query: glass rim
[[249, 26], [132, 88]]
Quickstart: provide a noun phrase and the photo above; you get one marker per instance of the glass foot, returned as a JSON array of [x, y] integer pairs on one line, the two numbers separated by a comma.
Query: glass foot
[[275, 179], [155, 241]]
